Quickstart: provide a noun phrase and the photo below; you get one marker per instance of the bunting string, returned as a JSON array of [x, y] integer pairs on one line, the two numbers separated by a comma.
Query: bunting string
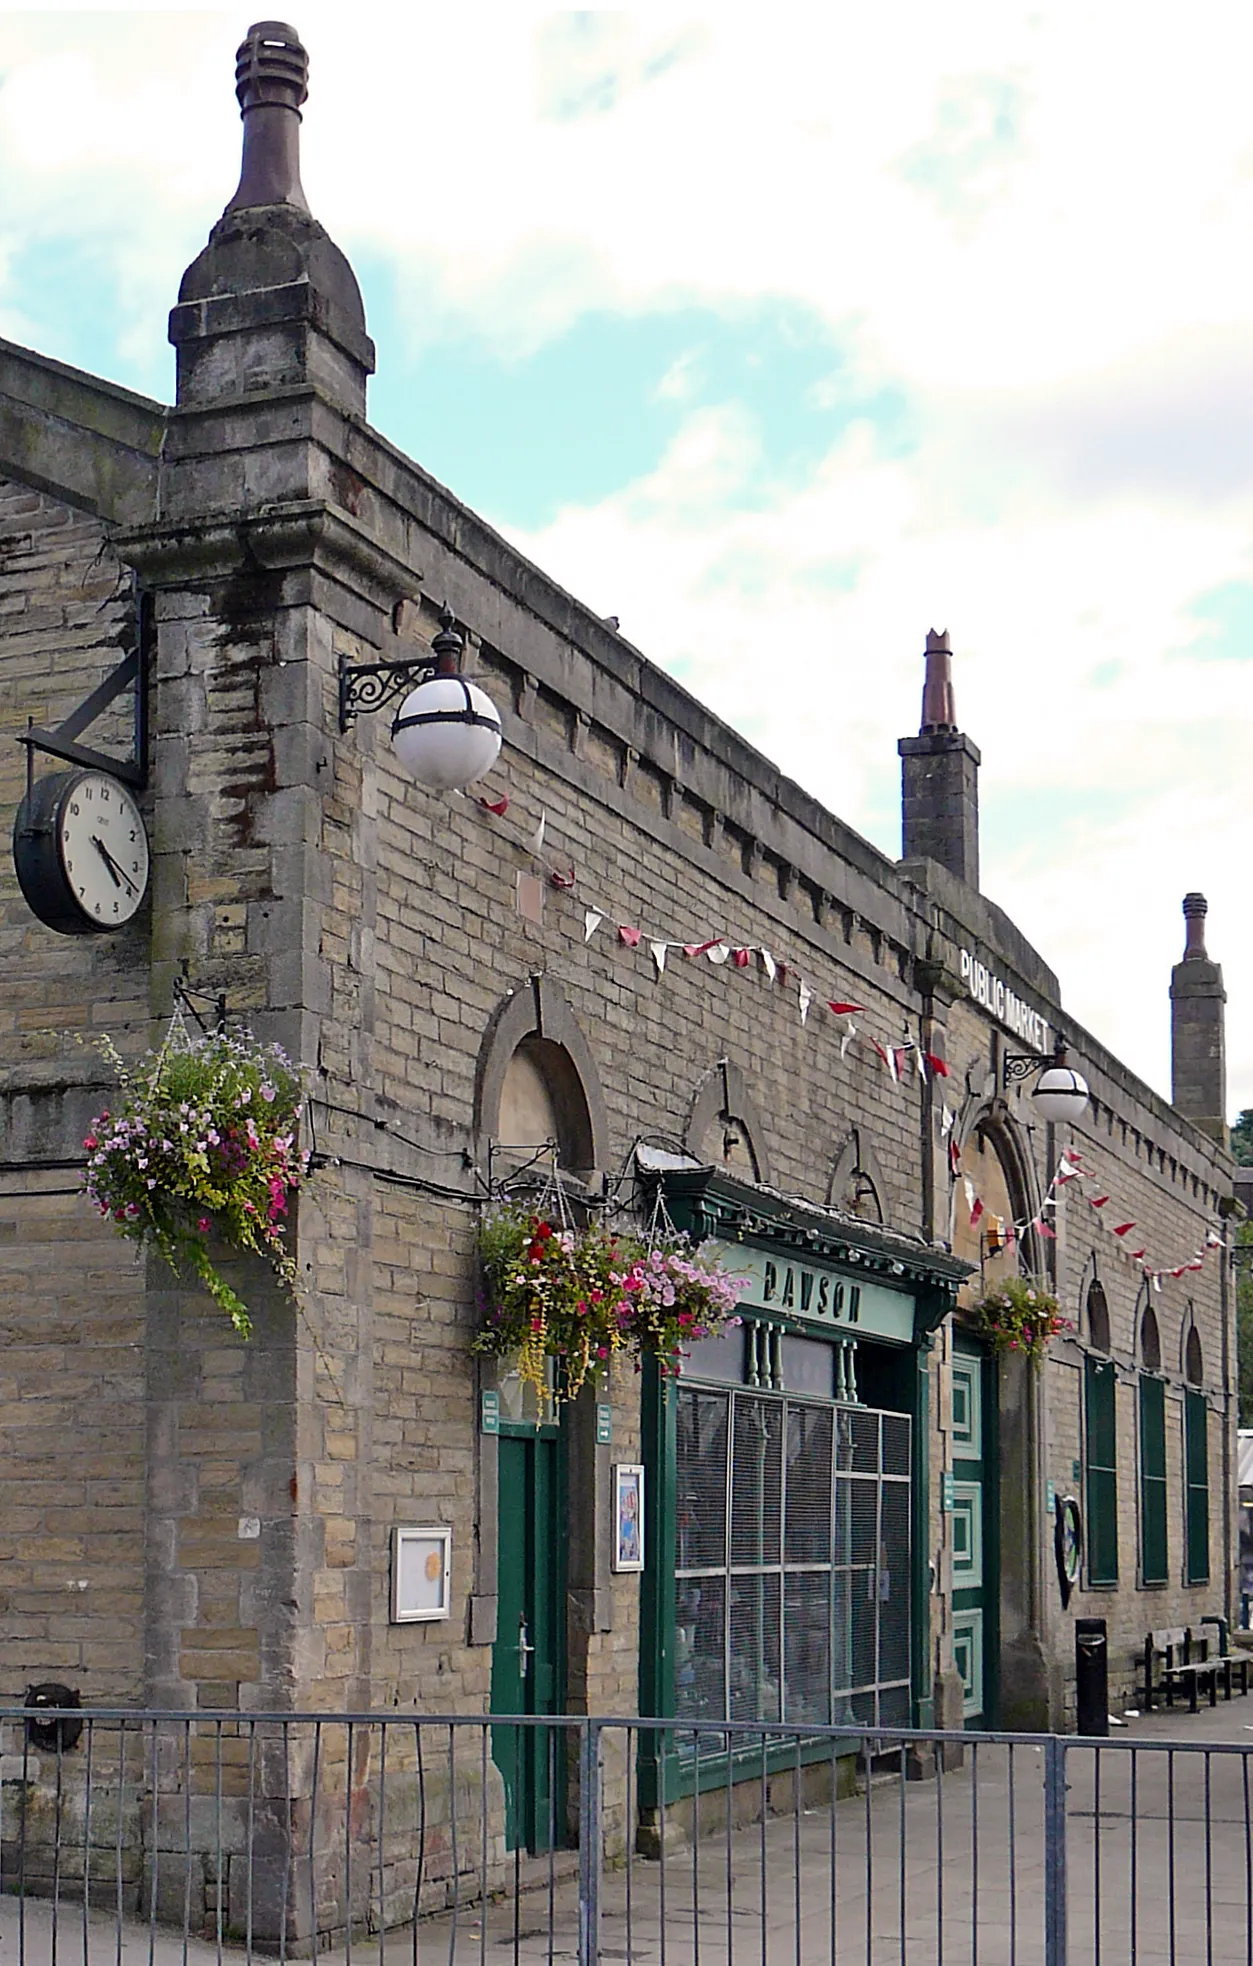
[[894, 1055]]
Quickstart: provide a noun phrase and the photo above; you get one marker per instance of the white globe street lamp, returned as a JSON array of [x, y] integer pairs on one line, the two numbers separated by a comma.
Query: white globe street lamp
[[447, 731], [1060, 1095]]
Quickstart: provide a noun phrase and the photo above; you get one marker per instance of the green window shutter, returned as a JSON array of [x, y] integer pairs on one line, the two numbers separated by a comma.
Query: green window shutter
[[1154, 1559], [1196, 1485], [1101, 1468]]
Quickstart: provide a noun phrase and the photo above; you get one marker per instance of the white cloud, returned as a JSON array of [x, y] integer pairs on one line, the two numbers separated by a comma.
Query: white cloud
[[1029, 223]]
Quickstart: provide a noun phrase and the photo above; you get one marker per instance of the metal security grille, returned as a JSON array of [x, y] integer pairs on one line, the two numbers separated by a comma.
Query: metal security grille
[[792, 1560]]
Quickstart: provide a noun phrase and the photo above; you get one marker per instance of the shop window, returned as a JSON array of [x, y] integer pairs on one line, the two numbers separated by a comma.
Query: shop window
[[1098, 1318], [1196, 1485], [1154, 1556], [1101, 1470], [791, 1559]]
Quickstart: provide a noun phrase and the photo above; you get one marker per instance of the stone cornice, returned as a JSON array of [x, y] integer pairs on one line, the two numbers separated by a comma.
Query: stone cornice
[[298, 534]]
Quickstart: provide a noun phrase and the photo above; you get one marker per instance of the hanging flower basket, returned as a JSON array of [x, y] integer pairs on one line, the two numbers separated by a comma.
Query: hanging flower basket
[[1019, 1316], [583, 1297], [201, 1141]]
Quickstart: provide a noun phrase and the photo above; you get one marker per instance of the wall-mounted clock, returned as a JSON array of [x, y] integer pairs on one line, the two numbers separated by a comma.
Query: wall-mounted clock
[[80, 848]]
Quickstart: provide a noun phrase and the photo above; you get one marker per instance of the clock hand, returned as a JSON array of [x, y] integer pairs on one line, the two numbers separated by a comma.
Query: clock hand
[[115, 872]]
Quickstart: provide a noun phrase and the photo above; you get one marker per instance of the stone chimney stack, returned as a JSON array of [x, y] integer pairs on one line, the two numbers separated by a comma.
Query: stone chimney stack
[[271, 302], [940, 776], [1198, 1055]]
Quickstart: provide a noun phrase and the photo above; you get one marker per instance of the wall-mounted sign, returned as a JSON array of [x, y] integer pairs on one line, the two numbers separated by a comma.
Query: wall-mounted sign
[[421, 1574], [996, 996], [604, 1425], [813, 1294], [628, 1517], [489, 1412], [947, 1491]]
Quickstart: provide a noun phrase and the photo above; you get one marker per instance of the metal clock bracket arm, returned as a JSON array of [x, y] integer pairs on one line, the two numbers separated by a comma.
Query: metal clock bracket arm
[[185, 998], [63, 741]]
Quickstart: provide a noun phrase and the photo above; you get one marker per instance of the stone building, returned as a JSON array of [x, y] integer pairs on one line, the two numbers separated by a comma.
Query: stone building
[[195, 1522]]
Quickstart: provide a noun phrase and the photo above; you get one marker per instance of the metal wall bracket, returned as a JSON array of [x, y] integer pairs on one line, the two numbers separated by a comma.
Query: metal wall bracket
[[367, 686], [1019, 1065], [63, 741]]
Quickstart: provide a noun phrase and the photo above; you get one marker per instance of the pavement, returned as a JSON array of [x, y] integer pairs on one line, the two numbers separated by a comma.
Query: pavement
[[1159, 1869]]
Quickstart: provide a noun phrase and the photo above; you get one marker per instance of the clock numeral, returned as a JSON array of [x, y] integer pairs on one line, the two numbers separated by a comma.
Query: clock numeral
[[74, 805], [134, 866]]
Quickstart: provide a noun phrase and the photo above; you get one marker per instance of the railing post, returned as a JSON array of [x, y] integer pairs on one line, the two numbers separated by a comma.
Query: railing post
[[591, 1845], [1054, 1852]]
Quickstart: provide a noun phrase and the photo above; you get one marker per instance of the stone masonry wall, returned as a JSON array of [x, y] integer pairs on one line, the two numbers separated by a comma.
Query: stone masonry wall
[[71, 1295]]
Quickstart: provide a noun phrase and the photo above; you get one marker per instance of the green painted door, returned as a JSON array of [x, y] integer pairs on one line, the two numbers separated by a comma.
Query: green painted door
[[968, 1530], [527, 1658]]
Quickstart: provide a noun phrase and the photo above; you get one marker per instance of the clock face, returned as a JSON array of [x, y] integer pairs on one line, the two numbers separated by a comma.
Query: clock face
[[103, 848], [80, 852]]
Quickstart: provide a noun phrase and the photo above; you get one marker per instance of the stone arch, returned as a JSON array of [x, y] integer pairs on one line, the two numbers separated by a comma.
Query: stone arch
[[996, 1160], [1096, 1317], [724, 1127], [857, 1183], [536, 1071]]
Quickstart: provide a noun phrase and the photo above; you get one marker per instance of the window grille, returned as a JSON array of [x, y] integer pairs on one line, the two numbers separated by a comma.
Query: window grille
[[1196, 1475], [1101, 1469], [792, 1560], [1154, 1562]]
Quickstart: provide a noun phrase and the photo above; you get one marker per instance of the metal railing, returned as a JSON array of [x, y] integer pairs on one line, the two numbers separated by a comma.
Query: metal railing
[[127, 1836]]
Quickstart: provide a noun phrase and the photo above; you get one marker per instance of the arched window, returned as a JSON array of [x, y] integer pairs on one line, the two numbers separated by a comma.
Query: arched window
[[542, 1100], [724, 1128], [537, 1083], [1150, 1341], [1098, 1317], [1193, 1359], [856, 1184]]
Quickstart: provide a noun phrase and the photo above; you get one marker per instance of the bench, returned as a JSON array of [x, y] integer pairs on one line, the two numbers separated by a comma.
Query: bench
[[1175, 1661], [1230, 1664]]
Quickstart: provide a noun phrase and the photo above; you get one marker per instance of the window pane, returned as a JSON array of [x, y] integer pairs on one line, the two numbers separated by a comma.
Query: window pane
[[757, 1481], [807, 1530], [720, 1357], [807, 1366], [1196, 1460], [894, 1582], [755, 1676], [701, 1478], [896, 1444], [700, 1649], [806, 1624]]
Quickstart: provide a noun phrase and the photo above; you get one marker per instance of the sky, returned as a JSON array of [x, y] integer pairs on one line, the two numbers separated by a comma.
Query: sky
[[784, 335]]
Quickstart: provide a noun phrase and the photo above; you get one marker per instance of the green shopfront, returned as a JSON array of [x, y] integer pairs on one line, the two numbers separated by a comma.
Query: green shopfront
[[787, 1488]]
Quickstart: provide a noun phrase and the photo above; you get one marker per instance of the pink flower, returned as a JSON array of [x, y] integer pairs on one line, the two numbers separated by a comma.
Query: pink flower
[[90, 1142], [204, 1225]]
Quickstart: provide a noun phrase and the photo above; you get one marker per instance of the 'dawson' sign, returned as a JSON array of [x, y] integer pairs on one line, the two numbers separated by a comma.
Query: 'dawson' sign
[[996, 996], [813, 1294]]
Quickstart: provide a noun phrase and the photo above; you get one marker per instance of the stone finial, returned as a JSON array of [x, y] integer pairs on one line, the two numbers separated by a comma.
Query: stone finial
[[271, 81], [1198, 1045], [271, 302], [1195, 909], [939, 711]]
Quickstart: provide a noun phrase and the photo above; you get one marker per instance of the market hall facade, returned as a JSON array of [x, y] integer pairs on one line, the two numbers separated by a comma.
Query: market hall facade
[[640, 959]]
